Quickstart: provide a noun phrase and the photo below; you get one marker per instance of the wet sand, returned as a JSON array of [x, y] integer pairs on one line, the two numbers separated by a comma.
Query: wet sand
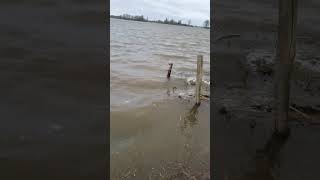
[[53, 98], [242, 97]]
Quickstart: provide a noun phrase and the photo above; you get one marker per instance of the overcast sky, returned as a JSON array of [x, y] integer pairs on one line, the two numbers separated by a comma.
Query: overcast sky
[[195, 10]]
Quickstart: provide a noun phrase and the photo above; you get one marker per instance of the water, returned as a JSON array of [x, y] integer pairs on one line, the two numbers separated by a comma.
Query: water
[[156, 131], [140, 53]]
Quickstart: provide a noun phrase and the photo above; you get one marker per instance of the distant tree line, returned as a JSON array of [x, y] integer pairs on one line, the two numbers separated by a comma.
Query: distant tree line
[[206, 24], [130, 17]]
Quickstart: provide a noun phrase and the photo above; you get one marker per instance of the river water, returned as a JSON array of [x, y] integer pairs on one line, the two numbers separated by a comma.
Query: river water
[[153, 120], [140, 53]]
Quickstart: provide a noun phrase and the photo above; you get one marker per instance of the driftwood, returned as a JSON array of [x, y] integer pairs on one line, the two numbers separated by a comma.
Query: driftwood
[[301, 113], [227, 37], [309, 119]]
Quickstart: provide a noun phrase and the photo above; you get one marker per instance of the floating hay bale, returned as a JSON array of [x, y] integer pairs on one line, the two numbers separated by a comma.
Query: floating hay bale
[[191, 81]]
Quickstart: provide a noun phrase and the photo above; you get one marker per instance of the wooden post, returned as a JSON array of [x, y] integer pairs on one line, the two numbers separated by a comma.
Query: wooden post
[[199, 77], [284, 59], [169, 70]]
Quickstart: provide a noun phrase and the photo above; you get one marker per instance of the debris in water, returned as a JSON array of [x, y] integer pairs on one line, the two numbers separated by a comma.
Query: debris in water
[[206, 82], [191, 81]]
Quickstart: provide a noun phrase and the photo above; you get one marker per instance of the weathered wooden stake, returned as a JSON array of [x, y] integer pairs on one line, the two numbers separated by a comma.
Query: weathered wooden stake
[[285, 56], [169, 70], [199, 77]]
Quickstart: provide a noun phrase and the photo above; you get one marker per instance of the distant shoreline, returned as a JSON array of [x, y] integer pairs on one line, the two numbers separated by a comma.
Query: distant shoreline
[[158, 22]]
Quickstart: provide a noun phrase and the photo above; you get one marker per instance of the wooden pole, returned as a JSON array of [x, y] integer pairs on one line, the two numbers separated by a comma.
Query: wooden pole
[[199, 78], [286, 50]]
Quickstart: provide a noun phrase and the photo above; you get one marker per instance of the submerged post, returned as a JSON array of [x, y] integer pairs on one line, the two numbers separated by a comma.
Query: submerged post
[[199, 77], [286, 50]]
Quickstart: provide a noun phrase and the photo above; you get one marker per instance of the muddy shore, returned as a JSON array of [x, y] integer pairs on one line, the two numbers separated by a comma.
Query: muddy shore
[[167, 140], [243, 93]]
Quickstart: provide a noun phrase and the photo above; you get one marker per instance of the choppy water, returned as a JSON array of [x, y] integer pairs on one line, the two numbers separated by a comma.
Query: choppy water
[[140, 53], [151, 126]]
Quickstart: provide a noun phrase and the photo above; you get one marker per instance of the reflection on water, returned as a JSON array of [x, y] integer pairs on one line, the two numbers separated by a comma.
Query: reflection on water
[[190, 119]]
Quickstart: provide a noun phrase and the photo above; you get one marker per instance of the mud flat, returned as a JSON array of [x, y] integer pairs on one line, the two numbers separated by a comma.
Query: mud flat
[[243, 71]]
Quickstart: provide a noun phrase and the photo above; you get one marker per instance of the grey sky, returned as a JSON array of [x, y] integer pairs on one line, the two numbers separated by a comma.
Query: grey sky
[[196, 10]]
